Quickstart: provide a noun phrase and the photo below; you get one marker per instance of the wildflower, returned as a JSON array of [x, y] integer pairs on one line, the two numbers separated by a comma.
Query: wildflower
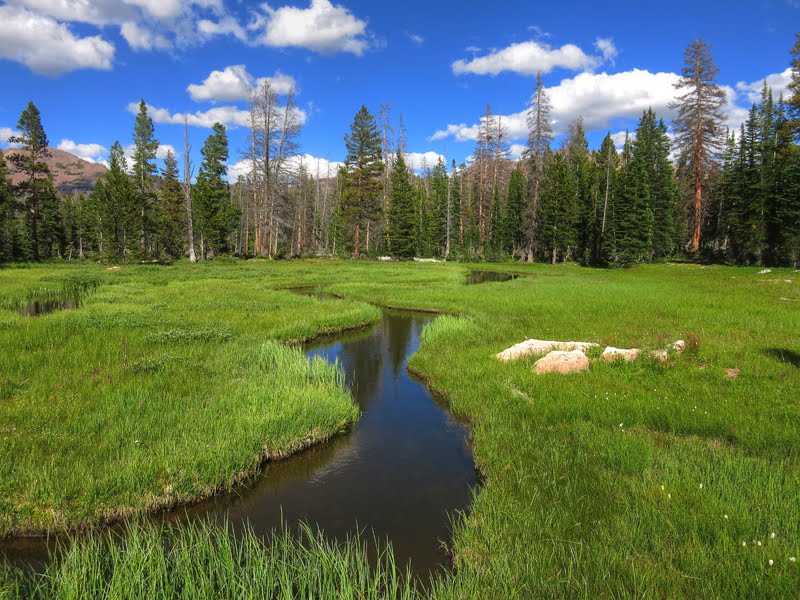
[[771, 562], [792, 559], [620, 424], [669, 496], [724, 516], [758, 542], [662, 487], [744, 544], [701, 486], [135, 441], [772, 535]]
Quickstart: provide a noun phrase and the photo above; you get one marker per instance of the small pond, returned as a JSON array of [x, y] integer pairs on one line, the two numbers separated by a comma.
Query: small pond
[[475, 277]]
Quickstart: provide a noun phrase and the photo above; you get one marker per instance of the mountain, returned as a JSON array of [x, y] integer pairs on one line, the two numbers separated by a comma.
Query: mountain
[[70, 173]]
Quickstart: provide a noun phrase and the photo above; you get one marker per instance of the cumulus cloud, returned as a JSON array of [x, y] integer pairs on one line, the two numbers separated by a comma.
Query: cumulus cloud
[[94, 153], [142, 38], [516, 151], [607, 49], [224, 26], [779, 82], [235, 83], [230, 116], [415, 38], [161, 153], [314, 165], [423, 160], [322, 27], [597, 97], [48, 47], [6, 133], [527, 58]]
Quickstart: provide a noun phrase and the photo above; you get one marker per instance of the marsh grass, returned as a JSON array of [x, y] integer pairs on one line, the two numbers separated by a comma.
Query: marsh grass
[[201, 561], [629, 480]]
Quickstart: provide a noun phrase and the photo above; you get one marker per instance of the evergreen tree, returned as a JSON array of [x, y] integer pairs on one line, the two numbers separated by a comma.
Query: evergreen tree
[[604, 238], [440, 207], [498, 235], [171, 213], [515, 212], [8, 216], [456, 228], [577, 155], [634, 217], [402, 228], [35, 192], [559, 209], [361, 176], [214, 214], [115, 209], [145, 146], [793, 102], [698, 129]]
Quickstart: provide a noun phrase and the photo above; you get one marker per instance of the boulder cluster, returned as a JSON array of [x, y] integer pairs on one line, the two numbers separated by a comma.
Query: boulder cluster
[[570, 357]]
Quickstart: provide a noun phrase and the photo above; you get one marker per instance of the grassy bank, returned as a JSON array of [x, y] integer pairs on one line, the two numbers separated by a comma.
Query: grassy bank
[[165, 386], [635, 479]]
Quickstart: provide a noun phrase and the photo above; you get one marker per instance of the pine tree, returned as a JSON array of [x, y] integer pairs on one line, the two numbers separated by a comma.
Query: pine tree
[[145, 146], [8, 216], [607, 162], [215, 216], [793, 101], [402, 228], [634, 215], [540, 134], [171, 212], [115, 209], [576, 152], [515, 212], [698, 128], [361, 176], [559, 210], [35, 192], [440, 206]]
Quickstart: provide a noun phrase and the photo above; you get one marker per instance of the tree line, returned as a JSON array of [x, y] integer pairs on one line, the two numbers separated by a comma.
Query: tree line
[[700, 192]]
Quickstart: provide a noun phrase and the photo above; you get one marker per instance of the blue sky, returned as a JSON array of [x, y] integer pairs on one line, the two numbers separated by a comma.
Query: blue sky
[[438, 63]]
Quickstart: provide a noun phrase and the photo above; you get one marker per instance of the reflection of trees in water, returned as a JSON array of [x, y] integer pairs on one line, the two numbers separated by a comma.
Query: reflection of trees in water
[[361, 359], [398, 333]]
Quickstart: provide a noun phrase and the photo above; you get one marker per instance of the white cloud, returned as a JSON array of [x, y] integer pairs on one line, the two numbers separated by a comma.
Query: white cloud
[[423, 160], [142, 38], [94, 153], [515, 151], [597, 97], [161, 152], [779, 82], [225, 26], [48, 47], [527, 58], [607, 49], [230, 116], [94, 12], [235, 83], [314, 165], [415, 38], [322, 27], [5, 134]]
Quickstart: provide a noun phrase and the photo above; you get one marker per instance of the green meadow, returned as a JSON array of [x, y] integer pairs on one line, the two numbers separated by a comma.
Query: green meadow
[[641, 479]]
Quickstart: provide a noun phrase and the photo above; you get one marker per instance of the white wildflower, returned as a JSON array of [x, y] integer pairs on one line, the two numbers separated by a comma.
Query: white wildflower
[[724, 516], [771, 562], [772, 535]]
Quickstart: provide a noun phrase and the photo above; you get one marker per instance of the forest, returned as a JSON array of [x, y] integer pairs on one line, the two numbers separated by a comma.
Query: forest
[[695, 190]]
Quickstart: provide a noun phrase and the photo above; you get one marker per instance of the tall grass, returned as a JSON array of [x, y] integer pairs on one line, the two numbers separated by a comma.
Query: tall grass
[[200, 561]]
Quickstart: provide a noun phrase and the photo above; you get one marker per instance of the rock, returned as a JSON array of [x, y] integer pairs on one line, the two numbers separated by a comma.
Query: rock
[[425, 260], [660, 355], [732, 373], [537, 347], [678, 346], [384, 258], [561, 362], [764, 271], [610, 354]]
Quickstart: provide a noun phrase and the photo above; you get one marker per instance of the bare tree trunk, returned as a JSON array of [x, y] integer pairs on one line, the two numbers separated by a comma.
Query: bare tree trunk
[[187, 190]]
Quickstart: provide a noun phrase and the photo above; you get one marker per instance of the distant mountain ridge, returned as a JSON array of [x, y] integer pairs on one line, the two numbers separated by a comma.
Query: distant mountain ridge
[[70, 173]]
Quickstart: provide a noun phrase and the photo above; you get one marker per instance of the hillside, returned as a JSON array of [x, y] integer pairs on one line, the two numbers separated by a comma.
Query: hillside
[[70, 173]]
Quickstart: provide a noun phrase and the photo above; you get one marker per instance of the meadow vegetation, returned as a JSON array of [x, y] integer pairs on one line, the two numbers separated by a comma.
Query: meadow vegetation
[[641, 479]]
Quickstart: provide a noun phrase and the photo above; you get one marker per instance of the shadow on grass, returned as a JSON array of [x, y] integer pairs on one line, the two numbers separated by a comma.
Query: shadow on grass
[[784, 355]]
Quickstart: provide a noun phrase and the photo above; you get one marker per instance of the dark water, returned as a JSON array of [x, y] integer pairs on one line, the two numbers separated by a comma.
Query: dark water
[[475, 277], [34, 308], [402, 472]]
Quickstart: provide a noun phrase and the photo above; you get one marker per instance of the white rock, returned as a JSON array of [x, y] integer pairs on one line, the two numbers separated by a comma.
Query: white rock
[[765, 271], [384, 258], [660, 355], [610, 354], [679, 346], [561, 362], [538, 347]]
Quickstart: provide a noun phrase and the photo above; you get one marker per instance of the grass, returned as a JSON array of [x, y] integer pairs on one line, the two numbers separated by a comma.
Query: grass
[[200, 561], [635, 479]]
